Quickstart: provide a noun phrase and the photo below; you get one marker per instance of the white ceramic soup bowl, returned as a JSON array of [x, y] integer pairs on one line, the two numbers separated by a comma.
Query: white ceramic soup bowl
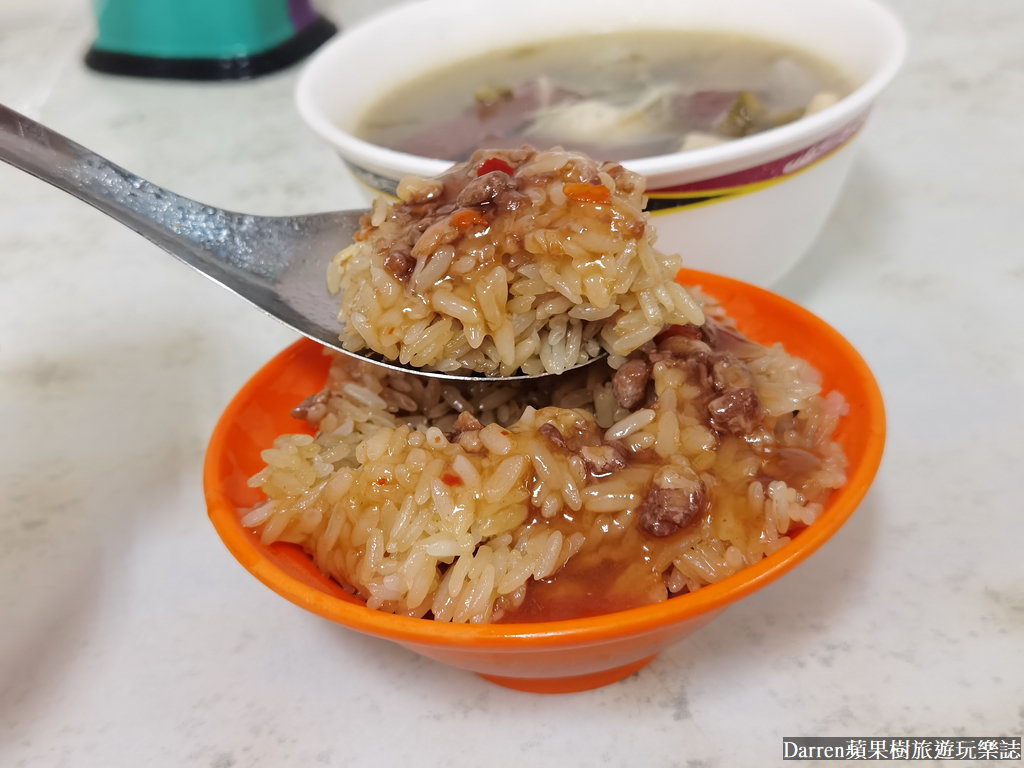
[[748, 209]]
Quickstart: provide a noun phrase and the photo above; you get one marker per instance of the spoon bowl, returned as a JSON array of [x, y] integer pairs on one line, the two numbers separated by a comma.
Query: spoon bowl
[[276, 263]]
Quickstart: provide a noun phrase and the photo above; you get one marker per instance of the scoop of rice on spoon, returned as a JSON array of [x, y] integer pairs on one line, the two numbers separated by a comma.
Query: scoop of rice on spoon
[[515, 264]]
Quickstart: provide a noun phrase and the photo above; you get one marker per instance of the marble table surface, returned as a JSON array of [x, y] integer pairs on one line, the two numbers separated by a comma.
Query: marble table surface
[[129, 636]]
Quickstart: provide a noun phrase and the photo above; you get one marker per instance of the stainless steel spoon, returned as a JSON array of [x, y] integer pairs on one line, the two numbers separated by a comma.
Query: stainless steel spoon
[[277, 263]]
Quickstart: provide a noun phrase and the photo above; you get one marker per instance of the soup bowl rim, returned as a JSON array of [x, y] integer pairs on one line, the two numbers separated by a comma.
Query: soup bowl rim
[[693, 164]]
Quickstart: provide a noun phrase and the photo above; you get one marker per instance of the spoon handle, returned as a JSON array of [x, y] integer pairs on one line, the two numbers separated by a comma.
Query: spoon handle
[[244, 253], [154, 212], [276, 263]]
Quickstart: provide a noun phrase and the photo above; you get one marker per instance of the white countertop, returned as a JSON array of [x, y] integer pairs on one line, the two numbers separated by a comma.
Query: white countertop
[[129, 636]]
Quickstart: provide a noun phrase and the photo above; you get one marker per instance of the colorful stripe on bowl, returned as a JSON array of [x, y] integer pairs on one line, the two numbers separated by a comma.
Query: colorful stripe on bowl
[[667, 199]]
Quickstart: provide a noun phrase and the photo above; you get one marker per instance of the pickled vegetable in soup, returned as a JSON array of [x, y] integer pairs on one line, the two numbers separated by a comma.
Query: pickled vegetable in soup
[[615, 96]]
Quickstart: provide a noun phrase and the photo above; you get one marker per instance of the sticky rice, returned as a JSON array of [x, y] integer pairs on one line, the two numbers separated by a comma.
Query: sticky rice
[[515, 260], [483, 501], [687, 454]]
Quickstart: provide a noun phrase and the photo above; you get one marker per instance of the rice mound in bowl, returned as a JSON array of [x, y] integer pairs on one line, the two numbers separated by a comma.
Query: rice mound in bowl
[[481, 501], [514, 260], [688, 454]]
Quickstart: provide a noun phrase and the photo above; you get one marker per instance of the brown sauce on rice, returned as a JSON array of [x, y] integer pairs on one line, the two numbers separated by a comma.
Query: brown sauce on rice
[[514, 260], [689, 454], [552, 488]]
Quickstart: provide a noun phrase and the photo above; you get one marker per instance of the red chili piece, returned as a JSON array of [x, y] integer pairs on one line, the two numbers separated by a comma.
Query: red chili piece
[[449, 478], [495, 164]]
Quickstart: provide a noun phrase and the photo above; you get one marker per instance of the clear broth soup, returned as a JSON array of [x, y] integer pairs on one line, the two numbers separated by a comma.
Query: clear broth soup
[[614, 96]]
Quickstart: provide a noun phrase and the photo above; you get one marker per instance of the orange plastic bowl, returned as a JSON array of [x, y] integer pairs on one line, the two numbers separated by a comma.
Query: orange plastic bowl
[[557, 656]]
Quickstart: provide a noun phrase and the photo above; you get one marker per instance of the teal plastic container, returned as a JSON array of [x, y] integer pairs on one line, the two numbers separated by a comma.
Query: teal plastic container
[[204, 39]]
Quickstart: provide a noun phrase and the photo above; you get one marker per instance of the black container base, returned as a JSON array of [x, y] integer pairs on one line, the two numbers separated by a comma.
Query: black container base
[[287, 53]]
